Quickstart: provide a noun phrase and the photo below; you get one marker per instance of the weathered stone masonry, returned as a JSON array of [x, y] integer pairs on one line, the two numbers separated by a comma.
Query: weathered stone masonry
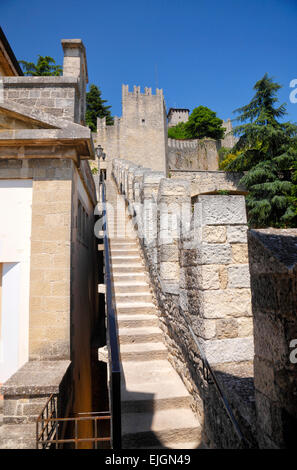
[[273, 266], [194, 272]]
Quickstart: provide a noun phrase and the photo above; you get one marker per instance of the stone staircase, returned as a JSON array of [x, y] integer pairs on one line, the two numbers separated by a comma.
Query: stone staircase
[[156, 409]]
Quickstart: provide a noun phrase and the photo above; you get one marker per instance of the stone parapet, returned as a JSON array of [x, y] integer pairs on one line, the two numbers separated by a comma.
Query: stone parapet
[[26, 392], [197, 259], [273, 267]]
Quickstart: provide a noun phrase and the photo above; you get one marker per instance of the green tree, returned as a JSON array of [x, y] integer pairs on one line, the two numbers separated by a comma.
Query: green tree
[[203, 122], [267, 152], [45, 66], [178, 132], [96, 108]]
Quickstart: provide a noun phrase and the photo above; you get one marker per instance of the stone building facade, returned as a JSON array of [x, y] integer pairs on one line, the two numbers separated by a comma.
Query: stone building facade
[[47, 255], [177, 115]]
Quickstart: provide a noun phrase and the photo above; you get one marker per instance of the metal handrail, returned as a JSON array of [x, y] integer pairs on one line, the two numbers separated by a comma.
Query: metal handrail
[[112, 343], [215, 382]]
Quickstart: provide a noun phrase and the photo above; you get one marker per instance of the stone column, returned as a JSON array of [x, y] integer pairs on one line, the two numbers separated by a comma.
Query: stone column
[[273, 266], [215, 285], [75, 65], [174, 211], [148, 198]]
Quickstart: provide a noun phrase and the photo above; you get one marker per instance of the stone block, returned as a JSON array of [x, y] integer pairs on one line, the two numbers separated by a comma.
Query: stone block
[[245, 327], [239, 276], [237, 234], [240, 253], [226, 328], [223, 277], [169, 270], [223, 210], [203, 328], [214, 254], [169, 253], [225, 303], [208, 277], [214, 234], [219, 351]]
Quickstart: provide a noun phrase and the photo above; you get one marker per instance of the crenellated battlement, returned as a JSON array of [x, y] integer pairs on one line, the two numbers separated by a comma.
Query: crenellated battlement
[[137, 91]]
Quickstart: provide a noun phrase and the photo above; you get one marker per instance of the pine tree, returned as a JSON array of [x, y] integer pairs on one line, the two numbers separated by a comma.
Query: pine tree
[[267, 152], [46, 66], [96, 108]]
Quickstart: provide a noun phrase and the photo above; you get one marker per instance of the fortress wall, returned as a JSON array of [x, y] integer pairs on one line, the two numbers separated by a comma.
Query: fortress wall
[[196, 154], [203, 182], [199, 272]]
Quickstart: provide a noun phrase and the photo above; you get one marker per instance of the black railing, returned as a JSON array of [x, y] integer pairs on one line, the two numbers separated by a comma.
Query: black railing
[[210, 377], [112, 339]]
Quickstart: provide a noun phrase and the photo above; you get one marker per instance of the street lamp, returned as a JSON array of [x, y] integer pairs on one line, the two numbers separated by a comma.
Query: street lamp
[[99, 151]]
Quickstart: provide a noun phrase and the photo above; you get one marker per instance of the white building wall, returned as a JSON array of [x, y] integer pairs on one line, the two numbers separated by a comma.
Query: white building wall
[[15, 245]]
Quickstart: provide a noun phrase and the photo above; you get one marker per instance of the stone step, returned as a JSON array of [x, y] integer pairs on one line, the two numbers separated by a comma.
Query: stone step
[[119, 259], [127, 268], [125, 252], [130, 297], [133, 287], [135, 308], [130, 277], [142, 351], [153, 387], [140, 335], [135, 321], [122, 238], [123, 245], [163, 427]]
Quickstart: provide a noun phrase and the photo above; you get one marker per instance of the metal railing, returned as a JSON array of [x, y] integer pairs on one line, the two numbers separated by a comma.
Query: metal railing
[[210, 377], [112, 339], [51, 431]]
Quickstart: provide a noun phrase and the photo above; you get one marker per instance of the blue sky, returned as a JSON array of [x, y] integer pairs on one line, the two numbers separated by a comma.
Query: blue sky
[[208, 52]]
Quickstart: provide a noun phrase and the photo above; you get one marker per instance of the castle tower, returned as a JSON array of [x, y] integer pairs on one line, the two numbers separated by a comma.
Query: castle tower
[[177, 115], [140, 135]]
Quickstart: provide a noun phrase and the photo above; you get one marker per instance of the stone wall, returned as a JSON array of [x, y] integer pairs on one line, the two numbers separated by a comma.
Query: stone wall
[[194, 154], [140, 135], [200, 275], [199, 154], [273, 266], [54, 95], [63, 97], [207, 182]]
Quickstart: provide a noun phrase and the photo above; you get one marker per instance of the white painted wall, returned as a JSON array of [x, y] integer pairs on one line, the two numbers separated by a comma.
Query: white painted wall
[[15, 244]]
